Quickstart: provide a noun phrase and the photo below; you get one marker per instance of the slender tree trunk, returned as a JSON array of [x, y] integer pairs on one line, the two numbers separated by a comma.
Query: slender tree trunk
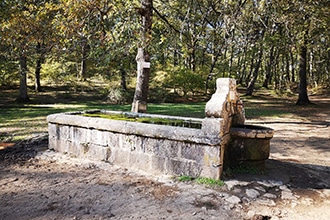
[[248, 78], [243, 68], [250, 88], [269, 68], [143, 59], [303, 96], [210, 76], [23, 94], [293, 77], [84, 56], [37, 84], [123, 79]]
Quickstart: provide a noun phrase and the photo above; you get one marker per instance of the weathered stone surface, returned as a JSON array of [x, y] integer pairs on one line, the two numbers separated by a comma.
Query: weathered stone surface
[[260, 188], [215, 106], [232, 183], [270, 183], [252, 193], [233, 199], [288, 195], [170, 155], [212, 126], [267, 202], [269, 196]]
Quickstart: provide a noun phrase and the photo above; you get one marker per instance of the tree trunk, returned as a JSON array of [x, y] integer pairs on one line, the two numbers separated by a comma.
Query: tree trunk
[[84, 56], [269, 68], [23, 95], [143, 59], [123, 79], [250, 88], [293, 77], [37, 84], [303, 96]]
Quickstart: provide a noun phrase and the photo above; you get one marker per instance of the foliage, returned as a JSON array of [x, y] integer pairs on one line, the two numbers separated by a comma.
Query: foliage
[[192, 42]]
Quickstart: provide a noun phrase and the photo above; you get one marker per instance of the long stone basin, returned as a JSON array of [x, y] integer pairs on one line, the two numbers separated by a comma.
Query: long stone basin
[[153, 148]]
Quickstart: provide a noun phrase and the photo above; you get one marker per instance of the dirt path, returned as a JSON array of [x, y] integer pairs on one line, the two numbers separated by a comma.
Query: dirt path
[[36, 183]]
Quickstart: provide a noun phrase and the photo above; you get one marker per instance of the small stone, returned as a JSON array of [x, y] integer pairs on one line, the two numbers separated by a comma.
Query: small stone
[[260, 188], [233, 199], [249, 214], [231, 184], [285, 188], [288, 195], [223, 195], [293, 204], [307, 201], [269, 196], [228, 207], [252, 193], [270, 183], [237, 191], [246, 200], [267, 202]]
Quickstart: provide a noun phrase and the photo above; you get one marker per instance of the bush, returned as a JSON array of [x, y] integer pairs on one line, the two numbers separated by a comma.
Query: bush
[[181, 80], [117, 96]]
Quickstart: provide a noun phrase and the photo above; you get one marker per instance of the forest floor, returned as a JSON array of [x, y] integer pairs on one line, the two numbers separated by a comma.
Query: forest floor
[[36, 183]]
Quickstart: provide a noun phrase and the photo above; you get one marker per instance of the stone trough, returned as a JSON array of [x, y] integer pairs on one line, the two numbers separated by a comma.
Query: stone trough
[[153, 148]]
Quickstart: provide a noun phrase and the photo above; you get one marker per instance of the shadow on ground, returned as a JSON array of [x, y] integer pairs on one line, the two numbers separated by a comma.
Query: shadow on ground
[[22, 151], [296, 175]]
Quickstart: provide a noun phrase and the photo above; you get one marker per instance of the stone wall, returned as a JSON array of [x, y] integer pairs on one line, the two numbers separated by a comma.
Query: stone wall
[[156, 149]]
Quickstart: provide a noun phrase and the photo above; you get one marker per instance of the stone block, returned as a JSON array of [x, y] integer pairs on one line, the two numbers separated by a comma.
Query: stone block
[[120, 157], [95, 152], [157, 164], [171, 149], [78, 134], [211, 156], [138, 160], [212, 126], [174, 166], [192, 151], [63, 132]]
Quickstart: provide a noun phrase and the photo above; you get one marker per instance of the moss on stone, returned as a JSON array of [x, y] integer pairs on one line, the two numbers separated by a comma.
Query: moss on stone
[[151, 120]]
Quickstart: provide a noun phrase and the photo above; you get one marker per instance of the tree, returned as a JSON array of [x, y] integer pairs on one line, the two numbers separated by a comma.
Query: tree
[[143, 58], [303, 96], [16, 30], [27, 26]]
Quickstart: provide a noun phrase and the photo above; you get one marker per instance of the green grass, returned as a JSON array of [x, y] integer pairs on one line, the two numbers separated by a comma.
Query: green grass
[[201, 180]]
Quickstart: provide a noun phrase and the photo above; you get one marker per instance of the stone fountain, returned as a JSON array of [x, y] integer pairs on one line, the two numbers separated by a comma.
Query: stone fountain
[[165, 149]]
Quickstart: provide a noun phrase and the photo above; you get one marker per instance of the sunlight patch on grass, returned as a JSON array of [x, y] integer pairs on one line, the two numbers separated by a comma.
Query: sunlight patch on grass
[[59, 106]]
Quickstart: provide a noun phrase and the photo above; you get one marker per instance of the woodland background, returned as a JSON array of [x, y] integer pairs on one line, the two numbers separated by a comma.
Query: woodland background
[[281, 45]]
